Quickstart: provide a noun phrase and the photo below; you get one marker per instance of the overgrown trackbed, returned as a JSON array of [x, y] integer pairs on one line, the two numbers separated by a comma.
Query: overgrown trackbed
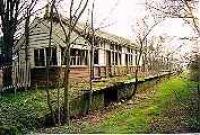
[[164, 108]]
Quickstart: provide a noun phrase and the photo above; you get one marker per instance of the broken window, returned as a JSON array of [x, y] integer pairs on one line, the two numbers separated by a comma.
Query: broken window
[[39, 57]]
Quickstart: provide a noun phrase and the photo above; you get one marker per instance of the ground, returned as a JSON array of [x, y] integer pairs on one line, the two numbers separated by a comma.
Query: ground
[[24, 109], [169, 107], [164, 108]]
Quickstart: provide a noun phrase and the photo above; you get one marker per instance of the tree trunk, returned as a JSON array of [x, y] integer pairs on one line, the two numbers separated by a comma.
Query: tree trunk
[[7, 50], [136, 80], [48, 68], [26, 49], [66, 107]]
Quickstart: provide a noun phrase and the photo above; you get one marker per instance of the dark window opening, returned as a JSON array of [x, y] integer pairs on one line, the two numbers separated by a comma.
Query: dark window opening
[[126, 59], [51, 55], [108, 58], [39, 57], [113, 58], [96, 57], [116, 58], [120, 59], [112, 47], [131, 59]]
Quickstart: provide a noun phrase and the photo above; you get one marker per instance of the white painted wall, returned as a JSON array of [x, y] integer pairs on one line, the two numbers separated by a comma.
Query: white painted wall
[[124, 51], [102, 60]]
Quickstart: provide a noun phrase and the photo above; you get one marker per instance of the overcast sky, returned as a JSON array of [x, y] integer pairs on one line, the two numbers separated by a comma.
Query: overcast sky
[[121, 15]]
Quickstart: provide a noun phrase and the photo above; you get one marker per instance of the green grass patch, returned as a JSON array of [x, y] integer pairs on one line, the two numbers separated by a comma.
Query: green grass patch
[[23, 110], [137, 119]]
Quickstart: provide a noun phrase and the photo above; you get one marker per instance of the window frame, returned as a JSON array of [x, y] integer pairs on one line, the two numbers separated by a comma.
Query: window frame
[[76, 60]]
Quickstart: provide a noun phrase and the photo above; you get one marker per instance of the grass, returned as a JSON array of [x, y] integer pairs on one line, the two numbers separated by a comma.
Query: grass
[[24, 109], [160, 112], [136, 120]]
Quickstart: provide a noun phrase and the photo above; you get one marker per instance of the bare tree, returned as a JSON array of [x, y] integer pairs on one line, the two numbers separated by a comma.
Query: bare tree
[[92, 44], [49, 57], [155, 53], [142, 31], [181, 9], [184, 9], [89, 32], [29, 11], [74, 17]]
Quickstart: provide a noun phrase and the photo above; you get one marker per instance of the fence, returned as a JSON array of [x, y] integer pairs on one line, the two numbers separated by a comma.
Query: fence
[[13, 77]]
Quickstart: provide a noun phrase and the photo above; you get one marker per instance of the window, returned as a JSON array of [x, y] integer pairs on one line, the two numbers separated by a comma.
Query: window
[[112, 47], [39, 57], [126, 59], [77, 56], [96, 57], [113, 58], [129, 57], [118, 55], [116, 59], [120, 49], [74, 57], [108, 58], [120, 59], [51, 53]]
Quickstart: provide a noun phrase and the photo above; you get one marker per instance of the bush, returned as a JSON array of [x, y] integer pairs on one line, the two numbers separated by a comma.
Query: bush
[[4, 130]]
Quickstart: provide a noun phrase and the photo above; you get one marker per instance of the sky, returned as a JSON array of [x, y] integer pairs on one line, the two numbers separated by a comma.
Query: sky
[[121, 16], [125, 14]]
